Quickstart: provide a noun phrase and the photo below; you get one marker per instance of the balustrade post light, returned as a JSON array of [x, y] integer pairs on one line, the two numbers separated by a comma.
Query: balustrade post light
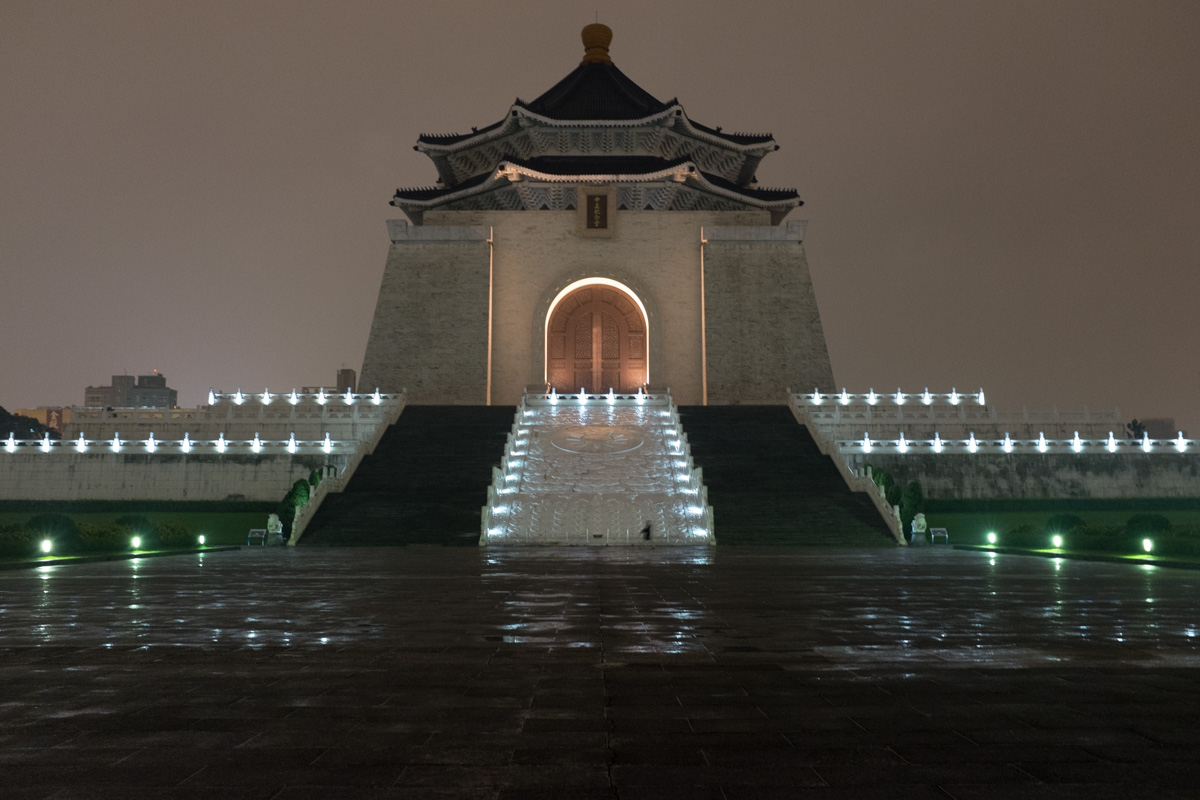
[[1008, 445], [266, 397], [238, 397], [186, 444]]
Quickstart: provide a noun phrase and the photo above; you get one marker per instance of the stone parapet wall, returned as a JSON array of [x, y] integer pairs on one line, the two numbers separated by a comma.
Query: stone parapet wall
[[142, 476], [1049, 475]]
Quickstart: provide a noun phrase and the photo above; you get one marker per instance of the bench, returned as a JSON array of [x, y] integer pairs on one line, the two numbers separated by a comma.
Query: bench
[[934, 533], [257, 533]]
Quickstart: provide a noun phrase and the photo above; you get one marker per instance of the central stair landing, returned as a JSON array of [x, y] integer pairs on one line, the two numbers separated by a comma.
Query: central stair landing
[[593, 470]]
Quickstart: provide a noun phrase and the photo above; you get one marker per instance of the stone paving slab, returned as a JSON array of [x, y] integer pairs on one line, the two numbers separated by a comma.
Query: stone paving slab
[[725, 673]]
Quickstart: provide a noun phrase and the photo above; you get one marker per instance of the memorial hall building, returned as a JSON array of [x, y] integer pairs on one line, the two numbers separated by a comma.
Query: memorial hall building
[[596, 237]]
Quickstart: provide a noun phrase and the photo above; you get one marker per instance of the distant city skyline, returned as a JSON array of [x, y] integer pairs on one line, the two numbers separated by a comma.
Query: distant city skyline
[[998, 195]]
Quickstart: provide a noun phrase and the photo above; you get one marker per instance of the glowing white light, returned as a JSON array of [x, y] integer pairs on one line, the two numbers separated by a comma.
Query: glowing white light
[[972, 445], [327, 445], [293, 398], [816, 397], [510, 477], [186, 444], [200, 538], [1181, 443], [266, 397], [845, 399], [1057, 541], [46, 443], [902, 445], [899, 397], [81, 443], [221, 442], [695, 510], [1145, 443], [291, 445], [927, 398], [136, 542], [256, 445], [872, 398], [116, 443], [937, 443], [321, 398], [151, 445], [495, 531], [1041, 445], [1147, 545], [612, 398], [10, 444], [866, 443], [641, 396], [982, 402], [1112, 443], [683, 476], [238, 397], [1076, 443], [348, 399], [500, 510], [47, 545], [699, 532], [1008, 445], [991, 537], [953, 396], [212, 397], [376, 398], [554, 396], [681, 464]]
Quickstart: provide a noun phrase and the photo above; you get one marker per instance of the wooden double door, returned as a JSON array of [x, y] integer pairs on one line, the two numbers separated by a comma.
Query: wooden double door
[[596, 340]]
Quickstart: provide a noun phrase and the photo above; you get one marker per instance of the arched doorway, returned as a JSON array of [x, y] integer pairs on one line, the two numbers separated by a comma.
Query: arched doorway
[[596, 339]]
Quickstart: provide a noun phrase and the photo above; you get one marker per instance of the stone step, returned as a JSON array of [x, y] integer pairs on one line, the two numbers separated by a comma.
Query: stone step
[[768, 482], [424, 484]]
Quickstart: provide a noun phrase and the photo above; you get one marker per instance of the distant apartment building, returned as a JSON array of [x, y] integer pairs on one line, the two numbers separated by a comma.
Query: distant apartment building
[[1162, 428], [53, 417], [146, 391]]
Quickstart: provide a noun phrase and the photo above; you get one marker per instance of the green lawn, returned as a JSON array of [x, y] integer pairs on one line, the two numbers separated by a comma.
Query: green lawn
[[969, 521], [221, 523]]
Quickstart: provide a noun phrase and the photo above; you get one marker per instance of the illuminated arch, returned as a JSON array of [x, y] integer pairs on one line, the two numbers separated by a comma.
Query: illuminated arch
[[583, 283]]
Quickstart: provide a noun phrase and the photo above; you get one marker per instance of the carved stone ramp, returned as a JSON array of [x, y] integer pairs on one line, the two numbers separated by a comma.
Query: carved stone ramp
[[592, 470], [423, 484], [770, 484]]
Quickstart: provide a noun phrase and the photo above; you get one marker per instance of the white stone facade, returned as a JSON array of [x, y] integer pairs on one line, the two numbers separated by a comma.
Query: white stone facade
[[741, 334]]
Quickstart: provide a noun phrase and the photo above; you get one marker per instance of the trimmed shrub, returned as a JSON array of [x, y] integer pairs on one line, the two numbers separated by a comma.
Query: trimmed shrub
[[136, 524], [300, 492], [16, 540], [103, 536], [1063, 523], [1024, 536], [174, 534], [1147, 524], [59, 528]]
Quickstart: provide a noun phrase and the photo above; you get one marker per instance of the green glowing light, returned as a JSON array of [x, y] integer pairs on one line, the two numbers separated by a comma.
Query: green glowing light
[[991, 537], [136, 542], [1057, 541], [201, 539], [47, 545], [1147, 545]]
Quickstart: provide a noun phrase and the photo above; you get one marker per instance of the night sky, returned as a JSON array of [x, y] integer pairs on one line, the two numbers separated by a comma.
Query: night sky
[[1000, 194]]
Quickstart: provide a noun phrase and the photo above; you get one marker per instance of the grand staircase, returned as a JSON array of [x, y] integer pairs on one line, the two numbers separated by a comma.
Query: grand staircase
[[769, 484], [424, 484]]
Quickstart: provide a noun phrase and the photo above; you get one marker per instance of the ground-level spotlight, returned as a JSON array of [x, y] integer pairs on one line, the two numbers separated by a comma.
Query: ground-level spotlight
[[136, 542], [991, 537], [1147, 545], [1057, 541], [200, 538], [47, 545]]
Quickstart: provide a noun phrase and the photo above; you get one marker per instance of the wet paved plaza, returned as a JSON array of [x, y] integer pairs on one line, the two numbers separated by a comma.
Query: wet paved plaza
[[614, 673]]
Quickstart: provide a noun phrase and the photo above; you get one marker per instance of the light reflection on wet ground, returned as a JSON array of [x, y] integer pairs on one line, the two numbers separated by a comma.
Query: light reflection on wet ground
[[723, 672], [812, 606]]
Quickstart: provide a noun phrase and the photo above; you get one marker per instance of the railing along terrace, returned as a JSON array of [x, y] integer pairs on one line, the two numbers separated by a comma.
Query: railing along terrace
[[184, 446], [1008, 445], [898, 398], [266, 397], [638, 398]]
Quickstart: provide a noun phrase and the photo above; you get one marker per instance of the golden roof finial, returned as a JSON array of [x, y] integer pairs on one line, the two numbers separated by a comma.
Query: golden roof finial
[[596, 39]]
